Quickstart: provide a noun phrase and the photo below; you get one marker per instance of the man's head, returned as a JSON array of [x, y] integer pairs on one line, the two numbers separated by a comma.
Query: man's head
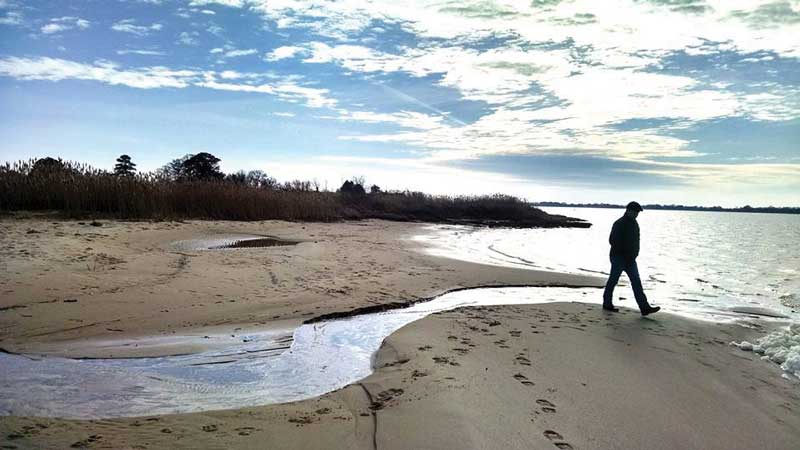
[[633, 209]]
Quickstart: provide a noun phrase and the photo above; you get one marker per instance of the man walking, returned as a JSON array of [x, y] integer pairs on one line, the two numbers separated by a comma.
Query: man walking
[[624, 240]]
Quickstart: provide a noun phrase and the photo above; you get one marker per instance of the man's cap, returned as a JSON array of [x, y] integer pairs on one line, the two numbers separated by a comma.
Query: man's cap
[[634, 206]]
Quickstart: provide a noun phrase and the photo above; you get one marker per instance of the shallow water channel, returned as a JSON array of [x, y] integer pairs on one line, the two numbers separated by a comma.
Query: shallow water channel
[[259, 370]]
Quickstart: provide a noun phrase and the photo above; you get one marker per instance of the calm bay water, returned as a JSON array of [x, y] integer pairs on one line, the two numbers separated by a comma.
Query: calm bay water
[[702, 264]]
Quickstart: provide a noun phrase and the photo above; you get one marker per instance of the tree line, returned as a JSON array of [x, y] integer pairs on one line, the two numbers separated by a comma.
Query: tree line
[[205, 167], [194, 187]]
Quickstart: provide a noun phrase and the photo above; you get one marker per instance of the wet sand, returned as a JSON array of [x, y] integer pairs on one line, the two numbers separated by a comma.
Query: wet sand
[[563, 375], [73, 289]]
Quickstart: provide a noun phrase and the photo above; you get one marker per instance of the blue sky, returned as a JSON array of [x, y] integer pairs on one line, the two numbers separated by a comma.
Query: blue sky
[[669, 101]]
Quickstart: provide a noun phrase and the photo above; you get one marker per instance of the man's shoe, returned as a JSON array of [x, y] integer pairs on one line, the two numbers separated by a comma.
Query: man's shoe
[[610, 308], [651, 310]]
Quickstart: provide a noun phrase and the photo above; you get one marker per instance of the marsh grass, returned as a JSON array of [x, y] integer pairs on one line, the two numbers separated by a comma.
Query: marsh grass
[[79, 190]]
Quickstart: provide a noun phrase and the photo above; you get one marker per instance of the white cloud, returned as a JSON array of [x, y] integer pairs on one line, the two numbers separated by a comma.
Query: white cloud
[[312, 97], [592, 100], [236, 53], [283, 114], [263, 88], [288, 91], [11, 18], [228, 51], [550, 99], [129, 26], [620, 25], [141, 52], [51, 28], [284, 53], [230, 3], [541, 99], [54, 69], [65, 23], [406, 119], [215, 30], [719, 175], [772, 106], [188, 37]]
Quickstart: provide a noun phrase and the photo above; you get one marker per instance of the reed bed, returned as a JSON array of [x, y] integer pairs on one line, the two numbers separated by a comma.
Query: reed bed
[[79, 190]]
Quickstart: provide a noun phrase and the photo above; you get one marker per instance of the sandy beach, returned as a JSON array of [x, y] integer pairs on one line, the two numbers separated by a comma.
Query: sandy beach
[[69, 288], [563, 375]]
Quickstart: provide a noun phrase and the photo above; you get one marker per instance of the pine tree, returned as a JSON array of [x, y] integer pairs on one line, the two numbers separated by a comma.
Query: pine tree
[[124, 167]]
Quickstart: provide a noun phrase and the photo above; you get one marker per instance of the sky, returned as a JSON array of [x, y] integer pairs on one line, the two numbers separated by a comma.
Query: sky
[[660, 101]]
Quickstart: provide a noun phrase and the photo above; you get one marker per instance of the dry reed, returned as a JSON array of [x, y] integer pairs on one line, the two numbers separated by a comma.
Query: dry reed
[[78, 190]]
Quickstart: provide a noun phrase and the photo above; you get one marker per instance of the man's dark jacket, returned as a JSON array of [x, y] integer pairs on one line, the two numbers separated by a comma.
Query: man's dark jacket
[[624, 238]]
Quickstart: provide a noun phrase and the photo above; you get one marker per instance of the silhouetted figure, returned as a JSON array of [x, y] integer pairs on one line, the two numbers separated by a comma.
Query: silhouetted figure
[[624, 240]]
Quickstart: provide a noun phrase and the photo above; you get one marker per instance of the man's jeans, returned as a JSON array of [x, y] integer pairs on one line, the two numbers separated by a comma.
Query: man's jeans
[[618, 265]]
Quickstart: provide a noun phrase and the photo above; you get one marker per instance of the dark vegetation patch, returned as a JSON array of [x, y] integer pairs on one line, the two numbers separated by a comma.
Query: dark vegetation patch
[[194, 188]]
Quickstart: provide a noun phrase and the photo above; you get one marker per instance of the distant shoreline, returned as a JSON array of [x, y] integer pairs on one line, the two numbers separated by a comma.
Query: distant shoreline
[[743, 209]]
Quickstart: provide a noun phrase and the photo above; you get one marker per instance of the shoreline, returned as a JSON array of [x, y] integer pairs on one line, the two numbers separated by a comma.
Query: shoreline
[[561, 374]]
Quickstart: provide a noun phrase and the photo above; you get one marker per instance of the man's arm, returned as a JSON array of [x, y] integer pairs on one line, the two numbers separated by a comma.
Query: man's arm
[[615, 238]]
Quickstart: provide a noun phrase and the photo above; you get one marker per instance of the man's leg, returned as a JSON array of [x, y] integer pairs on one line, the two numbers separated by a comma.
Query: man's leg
[[613, 278], [636, 283]]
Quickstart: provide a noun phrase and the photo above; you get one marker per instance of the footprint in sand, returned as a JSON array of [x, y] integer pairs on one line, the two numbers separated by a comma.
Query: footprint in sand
[[547, 406], [523, 360], [501, 343], [385, 397], [418, 374], [245, 431], [88, 442], [445, 360], [554, 436], [523, 379]]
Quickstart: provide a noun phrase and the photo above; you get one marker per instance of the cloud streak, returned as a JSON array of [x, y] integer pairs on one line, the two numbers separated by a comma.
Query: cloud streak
[[65, 23], [54, 69], [129, 26]]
